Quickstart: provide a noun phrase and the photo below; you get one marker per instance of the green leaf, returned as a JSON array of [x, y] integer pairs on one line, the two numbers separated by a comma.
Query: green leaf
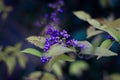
[[8, 49], [8, 9], [104, 3], [114, 33], [2, 57], [33, 52], [96, 41], [107, 44], [57, 69], [63, 57], [115, 24], [49, 65], [1, 48], [94, 22], [115, 76], [76, 68], [66, 58], [17, 48], [98, 51], [82, 15], [86, 43], [38, 41], [10, 63], [22, 61], [92, 32], [57, 49], [4, 15], [35, 75], [49, 76]]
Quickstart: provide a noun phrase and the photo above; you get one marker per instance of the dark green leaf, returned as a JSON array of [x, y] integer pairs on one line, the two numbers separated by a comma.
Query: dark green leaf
[[104, 3], [33, 52]]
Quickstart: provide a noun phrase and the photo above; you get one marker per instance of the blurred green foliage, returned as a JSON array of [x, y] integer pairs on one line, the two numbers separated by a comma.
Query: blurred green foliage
[[4, 9], [10, 55]]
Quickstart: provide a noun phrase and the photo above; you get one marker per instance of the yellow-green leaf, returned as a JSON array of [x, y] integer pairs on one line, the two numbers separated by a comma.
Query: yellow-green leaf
[[76, 68], [49, 65], [92, 32], [96, 41], [82, 15], [8, 49], [57, 69], [33, 52], [115, 24], [55, 59], [107, 43], [57, 49], [114, 33], [98, 51], [35, 75], [2, 57], [48, 76], [10, 63], [94, 22], [66, 58], [115, 76], [22, 61], [38, 41]]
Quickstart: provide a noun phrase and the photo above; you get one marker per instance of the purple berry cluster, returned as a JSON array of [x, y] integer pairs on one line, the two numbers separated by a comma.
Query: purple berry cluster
[[53, 16], [45, 59], [72, 42], [57, 5], [55, 36], [60, 37]]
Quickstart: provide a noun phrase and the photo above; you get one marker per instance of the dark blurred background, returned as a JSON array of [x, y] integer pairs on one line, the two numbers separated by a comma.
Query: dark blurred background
[[21, 23]]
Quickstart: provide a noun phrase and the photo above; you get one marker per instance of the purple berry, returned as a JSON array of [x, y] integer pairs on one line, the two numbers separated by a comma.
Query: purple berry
[[72, 42], [110, 37], [64, 34], [82, 46], [60, 10]]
